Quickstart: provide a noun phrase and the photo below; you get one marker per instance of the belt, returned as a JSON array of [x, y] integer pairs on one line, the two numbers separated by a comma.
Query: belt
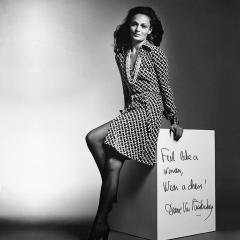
[[139, 94]]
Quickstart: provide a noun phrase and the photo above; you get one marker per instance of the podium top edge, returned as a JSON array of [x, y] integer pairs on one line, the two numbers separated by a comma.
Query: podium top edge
[[188, 129]]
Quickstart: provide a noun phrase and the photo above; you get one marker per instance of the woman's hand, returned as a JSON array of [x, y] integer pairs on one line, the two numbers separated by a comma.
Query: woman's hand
[[177, 131]]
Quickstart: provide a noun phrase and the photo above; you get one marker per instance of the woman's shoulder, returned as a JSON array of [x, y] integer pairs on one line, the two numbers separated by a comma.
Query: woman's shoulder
[[156, 51]]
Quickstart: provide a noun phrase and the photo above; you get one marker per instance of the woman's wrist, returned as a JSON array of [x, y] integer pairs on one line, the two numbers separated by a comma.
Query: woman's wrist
[[174, 120]]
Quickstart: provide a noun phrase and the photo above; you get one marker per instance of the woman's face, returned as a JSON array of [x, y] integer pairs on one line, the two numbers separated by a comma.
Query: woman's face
[[140, 27]]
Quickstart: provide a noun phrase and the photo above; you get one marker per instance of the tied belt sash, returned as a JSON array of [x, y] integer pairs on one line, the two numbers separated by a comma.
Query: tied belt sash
[[148, 100]]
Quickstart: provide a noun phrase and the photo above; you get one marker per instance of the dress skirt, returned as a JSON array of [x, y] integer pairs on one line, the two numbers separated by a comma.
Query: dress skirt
[[134, 132]]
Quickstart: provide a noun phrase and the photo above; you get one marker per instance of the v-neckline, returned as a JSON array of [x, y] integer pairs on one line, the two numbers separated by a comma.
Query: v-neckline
[[132, 72], [133, 65]]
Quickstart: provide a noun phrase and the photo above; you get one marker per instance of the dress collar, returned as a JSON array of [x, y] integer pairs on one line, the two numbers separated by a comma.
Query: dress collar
[[147, 46]]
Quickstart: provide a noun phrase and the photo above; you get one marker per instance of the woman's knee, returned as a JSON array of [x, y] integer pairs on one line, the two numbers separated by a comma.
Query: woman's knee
[[90, 138], [97, 135], [114, 164]]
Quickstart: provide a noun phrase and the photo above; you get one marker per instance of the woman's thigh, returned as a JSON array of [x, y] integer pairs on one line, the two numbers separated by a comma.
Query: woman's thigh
[[98, 134]]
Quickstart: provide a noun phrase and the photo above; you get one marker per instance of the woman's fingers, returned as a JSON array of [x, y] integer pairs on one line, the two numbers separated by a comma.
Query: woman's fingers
[[172, 129], [177, 131]]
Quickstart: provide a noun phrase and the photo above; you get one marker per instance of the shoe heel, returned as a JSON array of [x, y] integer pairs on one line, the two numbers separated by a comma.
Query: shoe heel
[[99, 233], [105, 237], [115, 200]]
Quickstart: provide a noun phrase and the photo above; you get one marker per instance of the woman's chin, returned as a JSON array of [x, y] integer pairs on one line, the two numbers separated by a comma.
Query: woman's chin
[[137, 40]]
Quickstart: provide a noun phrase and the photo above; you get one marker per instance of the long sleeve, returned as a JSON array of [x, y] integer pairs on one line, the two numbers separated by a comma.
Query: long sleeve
[[126, 93], [161, 68]]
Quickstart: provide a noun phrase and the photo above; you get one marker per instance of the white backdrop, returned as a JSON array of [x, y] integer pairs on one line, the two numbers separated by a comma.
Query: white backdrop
[[56, 70], [58, 80]]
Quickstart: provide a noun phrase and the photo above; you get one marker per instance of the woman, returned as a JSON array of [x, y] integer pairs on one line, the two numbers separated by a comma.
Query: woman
[[147, 96]]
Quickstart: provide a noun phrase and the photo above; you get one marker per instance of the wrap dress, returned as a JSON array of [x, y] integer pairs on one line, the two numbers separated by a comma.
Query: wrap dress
[[148, 97]]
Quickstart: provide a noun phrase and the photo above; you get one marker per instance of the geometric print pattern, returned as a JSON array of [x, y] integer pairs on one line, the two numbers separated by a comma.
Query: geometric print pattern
[[134, 132]]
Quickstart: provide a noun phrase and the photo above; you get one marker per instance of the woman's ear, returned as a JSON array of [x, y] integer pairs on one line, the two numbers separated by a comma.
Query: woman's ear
[[150, 30]]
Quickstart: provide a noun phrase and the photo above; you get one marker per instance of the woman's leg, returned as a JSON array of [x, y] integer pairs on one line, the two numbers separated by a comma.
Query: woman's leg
[[95, 139], [109, 187], [108, 192]]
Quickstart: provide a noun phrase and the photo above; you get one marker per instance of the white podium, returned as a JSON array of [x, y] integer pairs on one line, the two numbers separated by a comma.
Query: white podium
[[176, 197], [186, 184]]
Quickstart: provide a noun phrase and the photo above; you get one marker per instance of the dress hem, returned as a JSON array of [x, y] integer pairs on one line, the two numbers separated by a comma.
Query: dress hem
[[129, 158]]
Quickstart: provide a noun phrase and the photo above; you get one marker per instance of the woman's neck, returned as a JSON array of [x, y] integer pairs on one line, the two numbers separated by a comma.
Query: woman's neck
[[136, 46]]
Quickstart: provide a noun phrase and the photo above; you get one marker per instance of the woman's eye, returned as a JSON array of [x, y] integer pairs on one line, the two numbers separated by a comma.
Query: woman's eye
[[133, 24]]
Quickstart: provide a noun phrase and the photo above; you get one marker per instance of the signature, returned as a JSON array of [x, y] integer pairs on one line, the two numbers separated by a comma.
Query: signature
[[195, 205]]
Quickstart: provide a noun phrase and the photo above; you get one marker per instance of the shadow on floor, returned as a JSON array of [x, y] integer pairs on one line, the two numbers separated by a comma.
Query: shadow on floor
[[228, 227], [44, 230]]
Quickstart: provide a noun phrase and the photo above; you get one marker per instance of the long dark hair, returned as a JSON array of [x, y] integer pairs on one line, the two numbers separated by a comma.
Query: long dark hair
[[122, 39]]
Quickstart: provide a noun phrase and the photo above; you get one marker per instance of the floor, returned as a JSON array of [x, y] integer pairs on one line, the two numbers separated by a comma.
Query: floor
[[66, 235], [228, 227]]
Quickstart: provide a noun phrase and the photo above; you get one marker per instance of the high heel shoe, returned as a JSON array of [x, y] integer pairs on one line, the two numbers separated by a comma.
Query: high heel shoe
[[99, 231], [115, 199]]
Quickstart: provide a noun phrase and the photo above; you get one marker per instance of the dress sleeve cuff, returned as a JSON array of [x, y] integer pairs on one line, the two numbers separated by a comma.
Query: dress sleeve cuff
[[174, 120]]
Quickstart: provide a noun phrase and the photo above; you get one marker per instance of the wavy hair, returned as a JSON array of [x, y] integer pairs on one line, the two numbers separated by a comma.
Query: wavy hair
[[122, 40]]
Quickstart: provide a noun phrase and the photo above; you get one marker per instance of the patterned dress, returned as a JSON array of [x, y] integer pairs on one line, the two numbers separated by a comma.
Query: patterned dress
[[147, 97]]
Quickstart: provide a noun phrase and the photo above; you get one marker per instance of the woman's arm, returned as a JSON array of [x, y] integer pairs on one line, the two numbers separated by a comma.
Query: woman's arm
[[170, 112], [161, 68]]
